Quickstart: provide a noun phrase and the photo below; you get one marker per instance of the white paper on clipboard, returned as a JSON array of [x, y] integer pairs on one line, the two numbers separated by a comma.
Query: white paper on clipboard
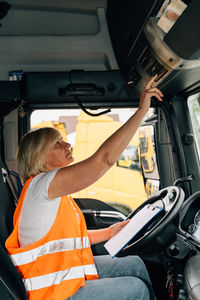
[[121, 239]]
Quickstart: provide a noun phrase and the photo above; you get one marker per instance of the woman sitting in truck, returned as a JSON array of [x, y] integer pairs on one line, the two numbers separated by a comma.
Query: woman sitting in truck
[[50, 244]]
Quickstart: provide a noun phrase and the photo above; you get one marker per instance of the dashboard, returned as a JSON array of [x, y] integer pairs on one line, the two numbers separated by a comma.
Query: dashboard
[[194, 228], [190, 217]]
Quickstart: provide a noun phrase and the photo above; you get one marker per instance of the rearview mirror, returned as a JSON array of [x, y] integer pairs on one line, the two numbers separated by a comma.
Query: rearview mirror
[[148, 159]]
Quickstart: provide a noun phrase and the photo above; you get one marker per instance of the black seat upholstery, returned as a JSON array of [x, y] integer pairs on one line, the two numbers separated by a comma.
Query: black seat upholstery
[[11, 284], [7, 208]]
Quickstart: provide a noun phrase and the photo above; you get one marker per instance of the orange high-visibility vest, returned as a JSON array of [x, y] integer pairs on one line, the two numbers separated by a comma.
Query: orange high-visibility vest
[[55, 266]]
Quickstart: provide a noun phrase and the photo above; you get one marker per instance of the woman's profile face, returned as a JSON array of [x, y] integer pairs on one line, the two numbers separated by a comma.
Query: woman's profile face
[[59, 156]]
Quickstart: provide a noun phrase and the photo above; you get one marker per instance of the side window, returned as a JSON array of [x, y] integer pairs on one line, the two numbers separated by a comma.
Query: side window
[[194, 109]]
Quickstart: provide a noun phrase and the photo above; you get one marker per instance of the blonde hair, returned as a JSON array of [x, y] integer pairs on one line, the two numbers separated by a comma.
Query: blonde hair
[[33, 150]]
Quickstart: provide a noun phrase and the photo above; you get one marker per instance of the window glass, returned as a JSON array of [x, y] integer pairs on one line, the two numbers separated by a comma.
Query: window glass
[[124, 185], [130, 158], [148, 159], [194, 109]]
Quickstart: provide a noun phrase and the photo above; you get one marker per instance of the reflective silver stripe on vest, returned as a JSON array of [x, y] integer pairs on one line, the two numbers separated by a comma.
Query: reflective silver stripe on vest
[[48, 280], [90, 269], [49, 248], [86, 242]]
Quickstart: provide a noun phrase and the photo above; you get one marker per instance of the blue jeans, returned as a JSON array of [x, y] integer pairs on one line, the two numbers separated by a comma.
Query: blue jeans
[[124, 278]]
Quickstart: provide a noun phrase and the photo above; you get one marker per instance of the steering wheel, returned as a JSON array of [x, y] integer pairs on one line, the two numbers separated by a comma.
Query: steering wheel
[[159, 230]]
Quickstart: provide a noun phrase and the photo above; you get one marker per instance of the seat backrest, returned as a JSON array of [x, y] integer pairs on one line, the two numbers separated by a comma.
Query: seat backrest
[[11, 284], [7, 208]]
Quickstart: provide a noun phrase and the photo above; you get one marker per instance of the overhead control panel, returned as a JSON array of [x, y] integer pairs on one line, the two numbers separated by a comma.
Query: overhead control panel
[[173, 54]]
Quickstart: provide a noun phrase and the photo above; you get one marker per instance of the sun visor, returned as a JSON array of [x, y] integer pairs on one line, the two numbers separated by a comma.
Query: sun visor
[[88, 86]]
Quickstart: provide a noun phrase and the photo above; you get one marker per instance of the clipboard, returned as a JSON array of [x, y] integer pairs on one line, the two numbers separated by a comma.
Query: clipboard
[[137, 222]]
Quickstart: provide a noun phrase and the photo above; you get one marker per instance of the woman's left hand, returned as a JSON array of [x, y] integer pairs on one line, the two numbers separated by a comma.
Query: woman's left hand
[[115, 228], [102, 235]]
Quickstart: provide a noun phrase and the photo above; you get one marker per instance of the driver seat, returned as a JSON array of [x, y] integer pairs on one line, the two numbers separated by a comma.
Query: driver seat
[[192, 278], [11, 284]]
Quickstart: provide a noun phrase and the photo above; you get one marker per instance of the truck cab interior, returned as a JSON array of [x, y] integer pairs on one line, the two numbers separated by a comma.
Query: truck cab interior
[[97, 55]]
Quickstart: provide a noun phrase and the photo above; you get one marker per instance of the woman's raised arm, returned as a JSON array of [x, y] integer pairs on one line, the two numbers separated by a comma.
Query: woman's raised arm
[[78, 176]]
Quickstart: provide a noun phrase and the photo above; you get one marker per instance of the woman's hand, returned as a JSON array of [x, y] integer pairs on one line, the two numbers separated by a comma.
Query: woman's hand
[[102, 235], [115, 228], [147, 93]]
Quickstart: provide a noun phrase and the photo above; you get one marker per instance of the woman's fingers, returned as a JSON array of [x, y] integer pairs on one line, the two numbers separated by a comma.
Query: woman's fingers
[[154, 92], [150, 82], [115, 228], [148, 93], [157, 96]]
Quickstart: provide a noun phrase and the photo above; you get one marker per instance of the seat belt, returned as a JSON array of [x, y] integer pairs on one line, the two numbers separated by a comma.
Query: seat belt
[[18, 181], [7, 180]]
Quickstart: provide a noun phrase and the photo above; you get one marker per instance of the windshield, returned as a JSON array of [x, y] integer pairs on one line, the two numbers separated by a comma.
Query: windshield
[[123, 186]]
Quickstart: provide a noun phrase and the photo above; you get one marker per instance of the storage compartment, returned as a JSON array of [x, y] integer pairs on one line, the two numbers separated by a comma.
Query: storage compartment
[[60, 40], [184, 36], [126, 21], [148, 51]]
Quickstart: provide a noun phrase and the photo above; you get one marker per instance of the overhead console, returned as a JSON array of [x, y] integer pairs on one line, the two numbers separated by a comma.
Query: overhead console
[[145, 45], [69, 62]]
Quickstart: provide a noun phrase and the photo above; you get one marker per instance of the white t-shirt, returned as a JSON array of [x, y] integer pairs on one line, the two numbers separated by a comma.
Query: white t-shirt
[[38, 211]]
